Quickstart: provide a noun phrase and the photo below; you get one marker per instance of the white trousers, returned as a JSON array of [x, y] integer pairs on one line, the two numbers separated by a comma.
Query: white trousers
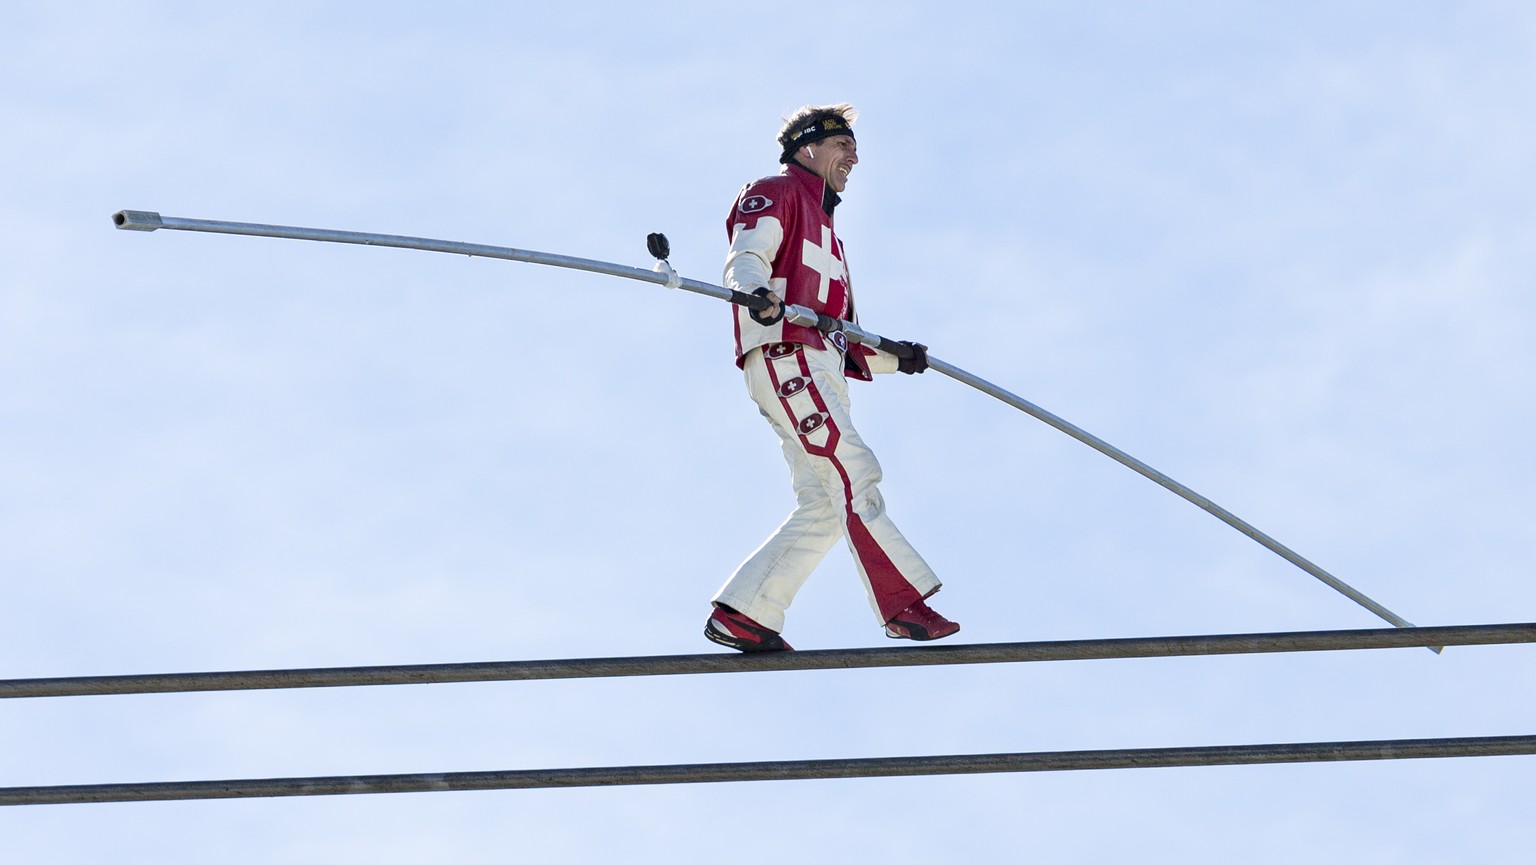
[[804, 395]]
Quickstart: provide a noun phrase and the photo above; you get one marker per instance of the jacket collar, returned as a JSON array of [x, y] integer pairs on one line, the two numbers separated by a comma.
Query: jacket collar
[[813, 184]]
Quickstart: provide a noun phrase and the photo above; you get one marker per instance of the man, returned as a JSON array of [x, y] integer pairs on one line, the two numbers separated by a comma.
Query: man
[[783, 248]]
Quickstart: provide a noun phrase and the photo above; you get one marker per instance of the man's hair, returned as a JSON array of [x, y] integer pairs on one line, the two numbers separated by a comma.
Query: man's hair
[[813, 123]]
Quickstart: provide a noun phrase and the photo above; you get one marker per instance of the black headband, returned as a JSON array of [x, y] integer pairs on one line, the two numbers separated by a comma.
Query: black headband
[[813, 130]]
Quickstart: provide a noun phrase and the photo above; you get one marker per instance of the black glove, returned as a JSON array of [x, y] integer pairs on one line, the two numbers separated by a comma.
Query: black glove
[[763, 317], [917, 362]]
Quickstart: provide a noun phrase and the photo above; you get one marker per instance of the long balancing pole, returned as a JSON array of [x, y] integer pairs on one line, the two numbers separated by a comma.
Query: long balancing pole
[[142, 220]]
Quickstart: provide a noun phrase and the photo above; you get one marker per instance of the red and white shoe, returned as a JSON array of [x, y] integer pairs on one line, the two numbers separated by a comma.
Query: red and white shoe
[[919, 622], [730, 628]]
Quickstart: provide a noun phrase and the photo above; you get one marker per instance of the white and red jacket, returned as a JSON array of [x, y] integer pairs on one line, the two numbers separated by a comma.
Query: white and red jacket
[[782, 238]]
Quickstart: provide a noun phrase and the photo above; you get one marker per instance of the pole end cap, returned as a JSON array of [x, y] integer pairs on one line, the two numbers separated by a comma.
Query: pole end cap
[[137, 220]]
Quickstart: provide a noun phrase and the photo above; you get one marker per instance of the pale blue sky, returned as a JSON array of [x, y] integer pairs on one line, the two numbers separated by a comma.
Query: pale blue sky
[[1280, 251]]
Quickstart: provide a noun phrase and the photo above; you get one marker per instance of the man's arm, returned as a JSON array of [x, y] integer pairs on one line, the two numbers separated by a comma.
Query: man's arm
[[749, 263], [880, 361]]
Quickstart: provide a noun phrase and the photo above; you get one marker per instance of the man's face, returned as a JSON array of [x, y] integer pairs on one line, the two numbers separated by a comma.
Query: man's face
[[832, 158]]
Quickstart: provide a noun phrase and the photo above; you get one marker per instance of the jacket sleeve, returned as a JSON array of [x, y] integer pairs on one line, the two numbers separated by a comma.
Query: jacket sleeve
[[756, 228], [864, 363], [880, 362], [749, 263]]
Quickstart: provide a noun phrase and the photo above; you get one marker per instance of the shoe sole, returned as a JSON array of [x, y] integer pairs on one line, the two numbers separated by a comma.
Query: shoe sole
[[924, 636]]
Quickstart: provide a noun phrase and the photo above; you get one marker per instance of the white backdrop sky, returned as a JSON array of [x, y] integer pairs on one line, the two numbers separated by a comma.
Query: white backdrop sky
[[1281, 251]]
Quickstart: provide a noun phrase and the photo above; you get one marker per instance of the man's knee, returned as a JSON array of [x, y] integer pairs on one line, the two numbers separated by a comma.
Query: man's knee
[[868, 504]]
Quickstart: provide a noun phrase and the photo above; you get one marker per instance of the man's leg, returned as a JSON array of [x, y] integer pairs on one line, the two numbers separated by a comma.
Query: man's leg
[[804, 394], [764, 586], [895, 576]]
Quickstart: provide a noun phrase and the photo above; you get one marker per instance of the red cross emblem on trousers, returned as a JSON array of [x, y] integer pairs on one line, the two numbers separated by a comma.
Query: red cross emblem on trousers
[[792, 387]]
